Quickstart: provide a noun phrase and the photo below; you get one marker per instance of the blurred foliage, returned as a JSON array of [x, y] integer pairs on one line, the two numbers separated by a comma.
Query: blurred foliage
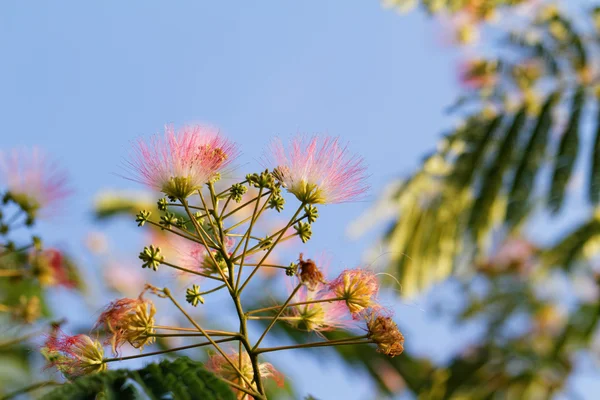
[[179, 379], [512, 158], [526, 153], [28, 271]]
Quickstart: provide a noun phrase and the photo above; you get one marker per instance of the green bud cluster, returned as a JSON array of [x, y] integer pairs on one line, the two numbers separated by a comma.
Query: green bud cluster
[[162, 204], [312, 213], [292, 269], [237, 191], [142, 217], [151, 257], [170, 219], [304, 230], [276, 202], [263, 180], [192, 295]]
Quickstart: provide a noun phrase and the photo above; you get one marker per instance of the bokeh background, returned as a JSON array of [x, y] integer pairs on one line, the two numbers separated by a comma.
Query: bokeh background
[[84, 79]]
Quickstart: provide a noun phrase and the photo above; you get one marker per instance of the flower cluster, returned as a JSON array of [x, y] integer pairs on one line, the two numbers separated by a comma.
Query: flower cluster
[[227, 253], [179, 163], [318, 170]]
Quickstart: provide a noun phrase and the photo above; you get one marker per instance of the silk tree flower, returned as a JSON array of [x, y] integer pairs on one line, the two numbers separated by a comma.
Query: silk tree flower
[[128, 321], [51, 268], [514, 255], [318, 317], [358, 287], [180, 162], [32, 180], [73, 356], [220, 366], [318, 170], [479, 74], [385, 333]]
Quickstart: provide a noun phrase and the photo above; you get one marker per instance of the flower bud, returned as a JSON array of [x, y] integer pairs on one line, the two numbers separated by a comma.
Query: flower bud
[[129, 321], [384, 331], [75, 355]]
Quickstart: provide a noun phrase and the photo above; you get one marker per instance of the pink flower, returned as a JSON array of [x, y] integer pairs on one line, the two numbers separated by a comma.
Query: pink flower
[[181, 162], [32, 181], [128, 320], [220, 366], [319, 170], [514, 255], [358, 287], [73, 355], [318, 317], [52, 269]]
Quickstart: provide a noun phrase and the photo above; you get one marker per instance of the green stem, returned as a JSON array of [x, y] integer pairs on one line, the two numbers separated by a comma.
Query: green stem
[[209, 216], [244, 341], [185, 334], [243, 205], [279, 233], [29, 388], [191, 237], [242, 388], [156, 353], [210, 253], [213, 290], [220, 194], [232, 227], [224, 207], [248, 234], [281, 309], [264, 317], [342, 342], [209, 331], [301, 303], [167, 293], [189, 271]]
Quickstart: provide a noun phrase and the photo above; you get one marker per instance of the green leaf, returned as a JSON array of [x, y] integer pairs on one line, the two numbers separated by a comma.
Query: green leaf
[[179, 379], [531, 159], [569, 248], [466, 164], [481, 213], [594, 185], [567, 154]]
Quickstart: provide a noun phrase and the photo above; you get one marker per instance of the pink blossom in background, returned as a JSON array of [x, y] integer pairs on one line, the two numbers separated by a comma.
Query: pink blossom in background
[[220, 366], [319, 317], [194, 256], [180, 162], [121, 278], [318, 170], [32, 180]]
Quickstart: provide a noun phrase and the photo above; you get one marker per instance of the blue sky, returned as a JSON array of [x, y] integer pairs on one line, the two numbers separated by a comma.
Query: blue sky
[[82, 79]]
